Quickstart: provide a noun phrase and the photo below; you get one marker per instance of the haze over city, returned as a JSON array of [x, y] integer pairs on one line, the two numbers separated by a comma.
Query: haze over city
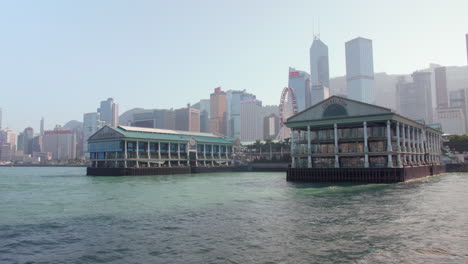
[[59, 59]]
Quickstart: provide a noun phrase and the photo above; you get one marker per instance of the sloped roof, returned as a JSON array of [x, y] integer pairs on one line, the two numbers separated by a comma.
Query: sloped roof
[[157, 134], [351, 108]]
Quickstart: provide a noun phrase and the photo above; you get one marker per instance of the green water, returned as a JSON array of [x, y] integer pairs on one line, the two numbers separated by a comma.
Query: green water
[[58, 215]]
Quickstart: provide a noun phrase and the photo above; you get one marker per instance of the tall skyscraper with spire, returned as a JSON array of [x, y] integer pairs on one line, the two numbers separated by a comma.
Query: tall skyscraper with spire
[[319, 71], [360, 70]]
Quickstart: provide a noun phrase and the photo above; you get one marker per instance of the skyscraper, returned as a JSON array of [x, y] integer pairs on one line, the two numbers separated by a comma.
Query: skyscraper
[[42, 126], [91, 124], [251, 120], [187, 119], [109, 112], [299, 81], [441, 87], [466, 39], [218, 107], [234, 98], [28, 136], [415, 99], [360, 70], [319, 72], [1, 116]]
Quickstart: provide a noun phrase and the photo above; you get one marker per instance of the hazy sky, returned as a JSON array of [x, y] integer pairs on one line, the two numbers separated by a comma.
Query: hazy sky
[[58, 59]]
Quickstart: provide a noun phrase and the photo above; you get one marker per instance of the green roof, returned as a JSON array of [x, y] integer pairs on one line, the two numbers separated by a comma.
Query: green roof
[[170, 135]]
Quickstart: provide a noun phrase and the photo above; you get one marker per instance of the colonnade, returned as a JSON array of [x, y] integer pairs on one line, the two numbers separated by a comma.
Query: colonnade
[[415, 146]]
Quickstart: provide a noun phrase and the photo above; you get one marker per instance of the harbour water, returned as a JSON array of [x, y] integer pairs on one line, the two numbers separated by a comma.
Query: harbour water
[[58, 215]]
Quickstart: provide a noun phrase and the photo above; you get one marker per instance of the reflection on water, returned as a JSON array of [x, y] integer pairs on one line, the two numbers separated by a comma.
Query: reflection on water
[[57, 215]]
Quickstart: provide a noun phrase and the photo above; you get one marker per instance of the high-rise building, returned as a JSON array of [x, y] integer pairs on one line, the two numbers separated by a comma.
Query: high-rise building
[[251, 120], [218, 108], [270, 126], [42, 126], [109, 112], [37, 144], [299, 81], [319, 72], [8, 136], [466, 39], [156, 118], [28, 136], [91, 124], [414, 98], [187, 119], [452, 120], [441, 87], [7, 144], [61, 143], [233, 111], [459, 98], [204, 107], [360, 70], [1, 118]]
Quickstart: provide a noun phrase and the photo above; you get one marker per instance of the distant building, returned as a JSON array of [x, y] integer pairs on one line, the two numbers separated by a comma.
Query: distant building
[[234, 99], [28, 136], [218, 108], [37, 144], [299, 81], [414, 98], [459, 98], [441, 87], [1, 118], [466, 39], [8, 136], [91, 124], [61, 143], [6, 152], [251, 116], [360, 70], [204, 107], [204, 121], [270, 126], [157, 118], [187, 119], [319, 72], [452, 120], [42, 127], [109, 112]]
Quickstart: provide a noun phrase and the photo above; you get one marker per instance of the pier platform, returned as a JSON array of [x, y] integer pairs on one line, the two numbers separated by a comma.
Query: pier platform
[[362, 175]]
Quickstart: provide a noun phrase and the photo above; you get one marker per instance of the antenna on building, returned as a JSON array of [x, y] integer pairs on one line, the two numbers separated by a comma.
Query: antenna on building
[[318, 36]]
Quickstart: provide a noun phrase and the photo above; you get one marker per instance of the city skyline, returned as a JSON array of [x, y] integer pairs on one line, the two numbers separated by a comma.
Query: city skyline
[[67, 56]]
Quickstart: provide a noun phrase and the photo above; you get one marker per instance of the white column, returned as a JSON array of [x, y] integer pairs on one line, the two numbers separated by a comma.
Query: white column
[[389, 146], [418, 152], [309, 157], [149, 153], [404, 143], [212, 155], [178, 154], [335, 130], [293, 161], [169, 156], [424, 146], [137, 154], [219, 151], [366, 147], [398, 144], [125, 153]]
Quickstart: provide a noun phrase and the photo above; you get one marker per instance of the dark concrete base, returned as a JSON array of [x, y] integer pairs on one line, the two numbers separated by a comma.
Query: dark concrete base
[[136, 171], [457, 167], [362, 175]]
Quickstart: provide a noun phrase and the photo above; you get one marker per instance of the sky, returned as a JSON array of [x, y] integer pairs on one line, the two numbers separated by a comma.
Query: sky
[[59, 59]]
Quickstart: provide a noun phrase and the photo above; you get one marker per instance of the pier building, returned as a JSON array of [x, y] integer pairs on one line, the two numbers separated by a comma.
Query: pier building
[[125, 150], [340, 139]]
